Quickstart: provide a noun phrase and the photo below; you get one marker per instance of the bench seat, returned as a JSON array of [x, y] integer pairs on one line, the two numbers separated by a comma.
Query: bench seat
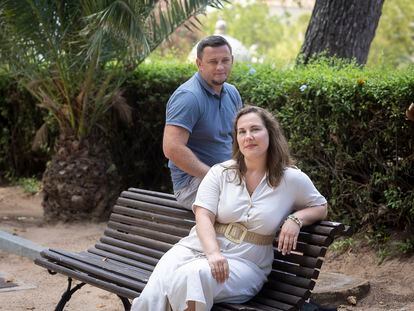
[[145, 224]]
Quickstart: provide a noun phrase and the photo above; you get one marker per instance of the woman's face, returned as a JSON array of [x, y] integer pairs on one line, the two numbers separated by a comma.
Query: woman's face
[[252, 136]]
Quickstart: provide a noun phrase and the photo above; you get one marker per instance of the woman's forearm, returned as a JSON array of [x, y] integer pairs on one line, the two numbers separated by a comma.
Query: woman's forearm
[[207, 235], [312, 214], [205, 230]]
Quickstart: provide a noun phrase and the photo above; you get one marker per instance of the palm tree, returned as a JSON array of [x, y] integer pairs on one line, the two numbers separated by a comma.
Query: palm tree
[[73, 56]]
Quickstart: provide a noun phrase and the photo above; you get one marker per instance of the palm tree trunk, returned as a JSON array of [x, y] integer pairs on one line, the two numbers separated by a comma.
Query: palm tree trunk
[[80, 182]]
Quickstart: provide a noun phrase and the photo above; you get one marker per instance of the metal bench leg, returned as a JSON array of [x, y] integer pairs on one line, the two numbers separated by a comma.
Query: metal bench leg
[[68, 294], [125, 302]]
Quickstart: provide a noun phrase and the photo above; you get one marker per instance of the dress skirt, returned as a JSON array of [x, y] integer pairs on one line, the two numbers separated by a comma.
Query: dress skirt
[[183, 275]]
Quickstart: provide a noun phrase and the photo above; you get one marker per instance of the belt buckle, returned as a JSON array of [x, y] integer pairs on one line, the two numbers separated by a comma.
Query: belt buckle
[[231, 236]]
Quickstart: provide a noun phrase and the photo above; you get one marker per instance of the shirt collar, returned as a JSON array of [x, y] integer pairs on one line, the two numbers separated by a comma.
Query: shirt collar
[[207, 87]]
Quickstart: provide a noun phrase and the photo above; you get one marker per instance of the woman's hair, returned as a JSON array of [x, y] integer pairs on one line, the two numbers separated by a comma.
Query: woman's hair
[[278, 155]]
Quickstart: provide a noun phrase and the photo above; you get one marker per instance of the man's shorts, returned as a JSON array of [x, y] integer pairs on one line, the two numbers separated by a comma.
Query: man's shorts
[[186, 196]]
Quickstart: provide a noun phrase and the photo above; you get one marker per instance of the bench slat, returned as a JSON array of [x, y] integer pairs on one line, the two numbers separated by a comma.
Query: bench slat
[[309, 250], [303, 261], [135, 280], [315, 239], [151, 261], [182, 224], [153, 199], [287, 288], [295, 280], [83, 277], [240, 307], [270, 305], [285, 266], [131, 219], [153, 193], [123, 259], [272, 295], [152, 245], [153, 253], [167, 216], [105, 263], [154, 235]]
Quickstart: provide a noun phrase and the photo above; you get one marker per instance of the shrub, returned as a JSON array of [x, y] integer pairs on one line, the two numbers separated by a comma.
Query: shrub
[[347, 128], [19, 120], [345, 125]]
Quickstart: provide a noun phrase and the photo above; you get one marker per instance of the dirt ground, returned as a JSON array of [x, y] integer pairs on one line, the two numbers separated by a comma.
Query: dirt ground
[[392, 282]]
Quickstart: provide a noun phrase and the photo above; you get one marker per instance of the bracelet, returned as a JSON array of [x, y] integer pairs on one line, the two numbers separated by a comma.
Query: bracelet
[[296, 219]]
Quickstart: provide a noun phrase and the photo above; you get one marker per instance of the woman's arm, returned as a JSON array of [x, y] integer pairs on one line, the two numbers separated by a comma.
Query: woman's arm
[[207, 235], [289, 233]]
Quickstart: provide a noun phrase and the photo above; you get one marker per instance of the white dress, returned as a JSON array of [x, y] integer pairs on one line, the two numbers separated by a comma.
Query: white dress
[[183, 273]]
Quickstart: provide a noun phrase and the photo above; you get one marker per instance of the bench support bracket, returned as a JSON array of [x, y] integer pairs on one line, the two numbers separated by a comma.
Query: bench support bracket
[[68, 294], [125, 302]]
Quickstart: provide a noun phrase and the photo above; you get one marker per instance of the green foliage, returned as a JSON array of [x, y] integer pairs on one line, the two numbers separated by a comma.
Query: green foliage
[[345, 125], [278, 37], [148, 90], [73, 56], [393, 44], [251, 24], [19, 121], [343, 245], [29, 185], [406, 246]]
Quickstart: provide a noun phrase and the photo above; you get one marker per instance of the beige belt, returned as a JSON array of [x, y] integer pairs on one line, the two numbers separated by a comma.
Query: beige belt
[[238, 233]]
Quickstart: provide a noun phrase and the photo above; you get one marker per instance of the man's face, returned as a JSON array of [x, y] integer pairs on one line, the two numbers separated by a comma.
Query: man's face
[[215, 65]]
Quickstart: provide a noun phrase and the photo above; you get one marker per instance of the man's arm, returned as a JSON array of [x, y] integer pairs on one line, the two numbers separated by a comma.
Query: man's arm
[[175, 148]]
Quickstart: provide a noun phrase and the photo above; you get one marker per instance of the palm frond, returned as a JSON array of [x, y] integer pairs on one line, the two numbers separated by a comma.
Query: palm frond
[[72, 55]]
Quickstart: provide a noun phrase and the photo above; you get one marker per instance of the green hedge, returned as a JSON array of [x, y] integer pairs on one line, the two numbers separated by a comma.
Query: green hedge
[[137, 149], [346, 127], [19, 121]]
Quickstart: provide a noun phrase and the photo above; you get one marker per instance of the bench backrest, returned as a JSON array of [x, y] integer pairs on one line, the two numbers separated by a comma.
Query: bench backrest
[[145, 224]]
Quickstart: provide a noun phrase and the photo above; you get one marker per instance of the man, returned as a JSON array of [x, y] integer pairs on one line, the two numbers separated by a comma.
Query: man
[[199, 119]]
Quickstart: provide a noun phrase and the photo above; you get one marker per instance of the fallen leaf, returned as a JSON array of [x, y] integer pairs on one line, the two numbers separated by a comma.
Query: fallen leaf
[[352, 300]]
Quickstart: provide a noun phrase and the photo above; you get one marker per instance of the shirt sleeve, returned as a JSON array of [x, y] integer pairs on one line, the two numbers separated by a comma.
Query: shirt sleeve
[[183, 110], [240, 101], [208, 193], [306, 194]]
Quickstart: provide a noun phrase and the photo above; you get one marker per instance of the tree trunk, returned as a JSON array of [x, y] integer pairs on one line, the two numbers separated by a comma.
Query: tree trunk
[[80, 182], [342, 28]]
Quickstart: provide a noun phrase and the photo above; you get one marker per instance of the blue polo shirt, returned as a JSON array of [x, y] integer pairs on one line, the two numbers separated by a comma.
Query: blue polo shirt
[[208, 118]]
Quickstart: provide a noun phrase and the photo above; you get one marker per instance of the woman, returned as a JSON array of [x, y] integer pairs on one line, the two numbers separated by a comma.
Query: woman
[[240, 205]]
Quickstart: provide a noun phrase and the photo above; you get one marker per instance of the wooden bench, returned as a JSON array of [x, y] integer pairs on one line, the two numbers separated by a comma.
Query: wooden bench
[[145, 224]]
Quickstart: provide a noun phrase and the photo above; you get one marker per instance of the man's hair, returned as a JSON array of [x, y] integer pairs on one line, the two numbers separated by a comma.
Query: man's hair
[[278, 154], [212, 41]]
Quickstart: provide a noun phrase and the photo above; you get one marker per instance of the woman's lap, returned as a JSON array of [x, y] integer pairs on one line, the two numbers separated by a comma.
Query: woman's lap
[[183, 274]]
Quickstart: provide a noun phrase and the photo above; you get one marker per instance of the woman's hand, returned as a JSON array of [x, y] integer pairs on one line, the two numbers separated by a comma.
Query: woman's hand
[[207, 235], [219, 266], [288, 237], [289, 233]]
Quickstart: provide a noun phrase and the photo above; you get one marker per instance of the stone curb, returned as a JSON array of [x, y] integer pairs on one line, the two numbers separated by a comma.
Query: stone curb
[[333, 289], [19, 246]]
